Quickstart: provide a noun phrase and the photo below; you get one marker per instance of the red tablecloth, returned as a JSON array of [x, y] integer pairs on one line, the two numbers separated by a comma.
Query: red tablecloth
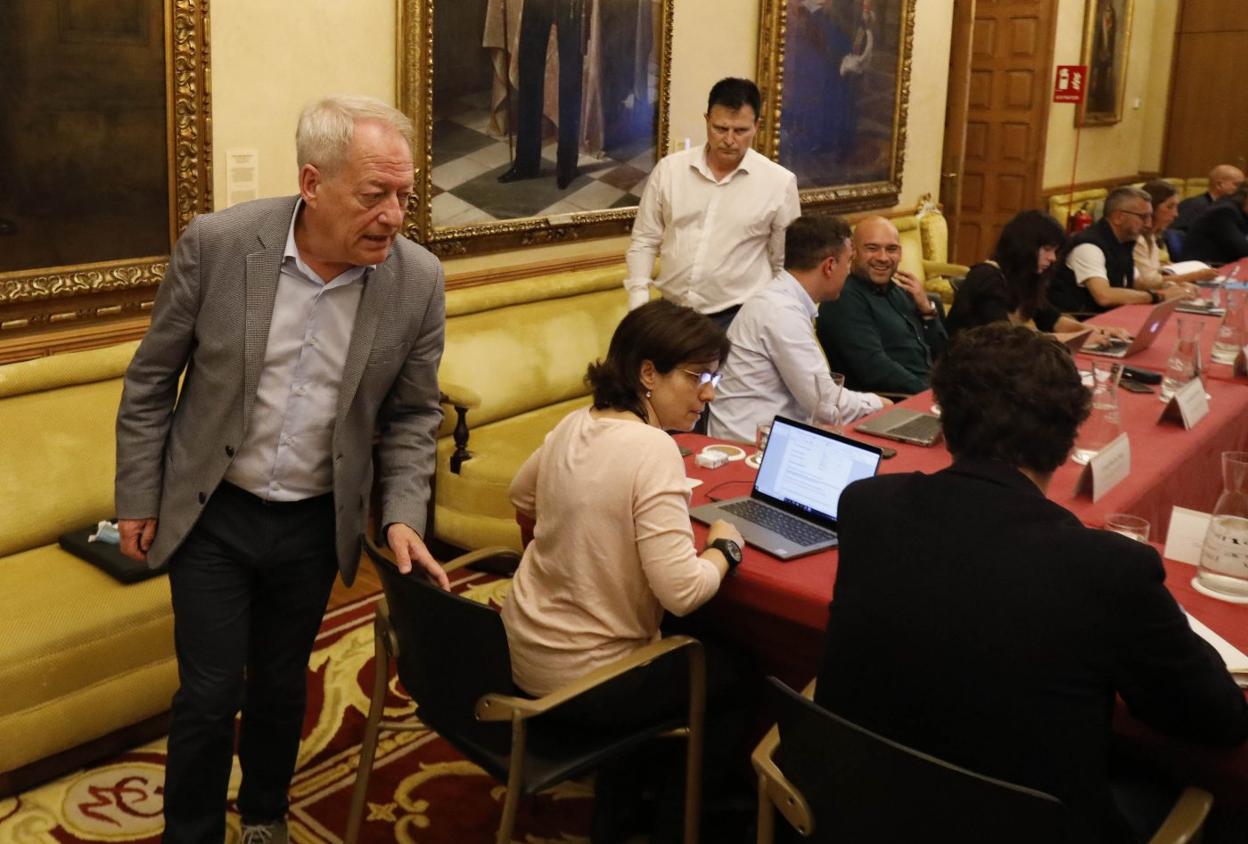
[[779, 610], [1131, 317]]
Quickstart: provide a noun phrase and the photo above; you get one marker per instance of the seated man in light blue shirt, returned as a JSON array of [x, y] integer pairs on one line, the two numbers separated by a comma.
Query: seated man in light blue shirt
[[776, 366]]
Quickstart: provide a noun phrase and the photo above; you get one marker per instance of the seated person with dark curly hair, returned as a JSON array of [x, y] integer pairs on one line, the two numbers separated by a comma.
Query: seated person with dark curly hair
[[995, 630]]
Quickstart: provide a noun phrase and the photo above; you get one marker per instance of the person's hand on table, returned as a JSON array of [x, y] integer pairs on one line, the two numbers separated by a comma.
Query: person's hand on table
[[1178, 291], [721, 529], [409, 550], [1101, 335], [1207, 274], [885, 401]]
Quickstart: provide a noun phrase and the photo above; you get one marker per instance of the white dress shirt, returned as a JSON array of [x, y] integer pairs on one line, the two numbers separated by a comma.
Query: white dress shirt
[[776, 366], [718, 241], [285, 454]]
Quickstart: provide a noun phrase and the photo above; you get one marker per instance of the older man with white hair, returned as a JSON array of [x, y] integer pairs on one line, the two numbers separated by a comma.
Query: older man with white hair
[[296, 327]]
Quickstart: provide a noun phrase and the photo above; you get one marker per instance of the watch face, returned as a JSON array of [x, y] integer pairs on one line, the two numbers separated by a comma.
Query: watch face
[[732, 549]]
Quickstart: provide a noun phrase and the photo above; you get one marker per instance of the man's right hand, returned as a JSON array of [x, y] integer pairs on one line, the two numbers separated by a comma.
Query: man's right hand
[[136, 537]]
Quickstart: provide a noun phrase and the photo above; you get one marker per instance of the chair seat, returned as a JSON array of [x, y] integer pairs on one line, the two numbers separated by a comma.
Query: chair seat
[[473, 508]]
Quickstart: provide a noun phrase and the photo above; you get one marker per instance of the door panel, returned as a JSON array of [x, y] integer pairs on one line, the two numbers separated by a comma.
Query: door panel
[[1006, 115]]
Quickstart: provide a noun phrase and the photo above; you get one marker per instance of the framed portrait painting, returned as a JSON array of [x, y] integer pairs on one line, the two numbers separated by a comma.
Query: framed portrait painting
[[835, 76], [537, 121], [1106, 42], [105, 157]]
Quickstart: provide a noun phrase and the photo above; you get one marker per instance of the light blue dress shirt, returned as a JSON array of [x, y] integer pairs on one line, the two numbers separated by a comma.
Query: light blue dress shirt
[[286, 450]]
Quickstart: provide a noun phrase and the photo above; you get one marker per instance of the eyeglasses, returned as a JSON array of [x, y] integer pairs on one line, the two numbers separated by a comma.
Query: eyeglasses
[[704, 378], [1143, 215]]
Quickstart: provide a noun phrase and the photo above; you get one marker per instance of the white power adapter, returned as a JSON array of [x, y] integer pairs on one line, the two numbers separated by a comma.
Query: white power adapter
[[711, 459]]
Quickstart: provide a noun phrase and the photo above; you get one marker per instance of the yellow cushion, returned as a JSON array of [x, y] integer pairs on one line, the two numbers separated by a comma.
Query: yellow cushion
[[480, 489], [57, 453], [83, 655], [528, 356], [1195, 186], [1062, 205]]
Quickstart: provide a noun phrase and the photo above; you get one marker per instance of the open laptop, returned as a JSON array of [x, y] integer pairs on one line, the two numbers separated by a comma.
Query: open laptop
[[1144, 338], [792, 508], [904, 425]]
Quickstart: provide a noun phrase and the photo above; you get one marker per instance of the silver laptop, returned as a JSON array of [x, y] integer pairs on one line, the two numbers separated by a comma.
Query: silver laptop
[[904, 425], [792, 508], [1144, 338]]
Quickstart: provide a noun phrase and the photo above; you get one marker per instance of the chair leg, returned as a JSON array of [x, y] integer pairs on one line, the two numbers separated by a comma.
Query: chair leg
[[368, 750], [514, 782], [766, 814], [693, 760]]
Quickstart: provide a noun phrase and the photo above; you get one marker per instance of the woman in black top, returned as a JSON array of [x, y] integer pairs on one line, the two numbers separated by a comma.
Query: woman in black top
[[1011, 286]]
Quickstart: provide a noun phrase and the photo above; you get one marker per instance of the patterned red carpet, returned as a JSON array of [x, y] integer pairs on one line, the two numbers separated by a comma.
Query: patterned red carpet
[[421, 792]]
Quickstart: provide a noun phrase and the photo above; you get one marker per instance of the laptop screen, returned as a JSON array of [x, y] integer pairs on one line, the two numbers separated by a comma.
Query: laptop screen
[[805, 469]]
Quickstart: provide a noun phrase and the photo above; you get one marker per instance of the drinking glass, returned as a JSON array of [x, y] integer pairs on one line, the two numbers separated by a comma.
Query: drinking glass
[[1233, 330], [1132, 527], [1104, 423], [1184, 362]]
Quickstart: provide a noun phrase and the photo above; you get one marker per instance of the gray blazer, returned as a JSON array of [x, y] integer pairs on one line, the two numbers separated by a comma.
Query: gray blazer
[[210, 324]]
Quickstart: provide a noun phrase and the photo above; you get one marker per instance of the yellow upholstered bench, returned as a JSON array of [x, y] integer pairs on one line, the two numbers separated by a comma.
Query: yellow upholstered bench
[[514, 365], [81, 655]]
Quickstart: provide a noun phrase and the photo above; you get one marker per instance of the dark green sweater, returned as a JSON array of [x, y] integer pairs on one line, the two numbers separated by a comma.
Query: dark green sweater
[[876, 337]]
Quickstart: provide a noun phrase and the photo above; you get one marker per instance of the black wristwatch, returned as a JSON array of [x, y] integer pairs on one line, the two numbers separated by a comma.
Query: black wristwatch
[[730, 550], [1157, 297]]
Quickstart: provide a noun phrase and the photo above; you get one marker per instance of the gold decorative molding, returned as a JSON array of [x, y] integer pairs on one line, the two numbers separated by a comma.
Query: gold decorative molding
[[773, 27], [31, 299], [415, 98]]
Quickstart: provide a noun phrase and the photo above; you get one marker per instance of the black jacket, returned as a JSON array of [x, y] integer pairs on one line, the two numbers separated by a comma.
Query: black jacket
[[1219, 236], [978, 621]]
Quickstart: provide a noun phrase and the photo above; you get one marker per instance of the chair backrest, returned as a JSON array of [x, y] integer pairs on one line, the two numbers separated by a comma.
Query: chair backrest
[[451, 650], [1174, 243], [863, 787]]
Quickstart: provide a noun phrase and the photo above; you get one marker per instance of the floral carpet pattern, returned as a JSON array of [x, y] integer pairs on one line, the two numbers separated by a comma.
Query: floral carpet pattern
[[421, 792]]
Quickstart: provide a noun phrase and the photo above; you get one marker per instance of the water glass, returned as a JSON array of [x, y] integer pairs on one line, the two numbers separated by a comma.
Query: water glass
[[1132, 527], [761, 433]]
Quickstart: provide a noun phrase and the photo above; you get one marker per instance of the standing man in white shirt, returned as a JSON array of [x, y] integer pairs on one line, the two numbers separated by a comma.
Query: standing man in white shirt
[[776, 365], [714, 215]]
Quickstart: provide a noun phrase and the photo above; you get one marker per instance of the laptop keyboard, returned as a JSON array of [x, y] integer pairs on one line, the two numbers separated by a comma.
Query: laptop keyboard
[[923, 428], [777, 521]]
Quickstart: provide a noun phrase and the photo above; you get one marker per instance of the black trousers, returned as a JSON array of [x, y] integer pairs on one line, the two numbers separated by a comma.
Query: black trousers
[[250, 585], [568, 18]]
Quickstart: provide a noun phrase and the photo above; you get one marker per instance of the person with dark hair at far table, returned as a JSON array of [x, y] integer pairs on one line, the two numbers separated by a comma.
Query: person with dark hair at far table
[[994, 631], [1011, 286]]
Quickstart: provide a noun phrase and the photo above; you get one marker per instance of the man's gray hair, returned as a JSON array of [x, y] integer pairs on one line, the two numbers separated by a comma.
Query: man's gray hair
[[1119, 197], [327, 126]]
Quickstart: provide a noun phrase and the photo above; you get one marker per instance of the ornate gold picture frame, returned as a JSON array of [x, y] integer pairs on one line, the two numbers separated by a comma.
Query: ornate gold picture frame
[[501, 162], [835, 77], [100, 285], [1106, 45]]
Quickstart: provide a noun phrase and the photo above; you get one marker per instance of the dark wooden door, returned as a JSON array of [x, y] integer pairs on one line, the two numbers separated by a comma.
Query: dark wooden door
[[1208, 121], [1007, 108]]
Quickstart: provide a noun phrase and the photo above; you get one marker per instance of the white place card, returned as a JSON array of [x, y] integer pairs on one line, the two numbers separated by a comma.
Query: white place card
[[1106, 468], [1186, 536], [692, 483], [1188, 405]]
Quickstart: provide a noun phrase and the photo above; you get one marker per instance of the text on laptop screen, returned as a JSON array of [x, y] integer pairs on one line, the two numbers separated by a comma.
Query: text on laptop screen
[[810, 470]]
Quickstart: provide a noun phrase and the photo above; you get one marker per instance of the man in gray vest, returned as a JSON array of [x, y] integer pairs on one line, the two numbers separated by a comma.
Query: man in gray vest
[[298, 326]]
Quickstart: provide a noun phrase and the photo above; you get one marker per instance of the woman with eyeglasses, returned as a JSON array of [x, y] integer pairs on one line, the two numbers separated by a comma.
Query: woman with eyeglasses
[[613, 548]]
